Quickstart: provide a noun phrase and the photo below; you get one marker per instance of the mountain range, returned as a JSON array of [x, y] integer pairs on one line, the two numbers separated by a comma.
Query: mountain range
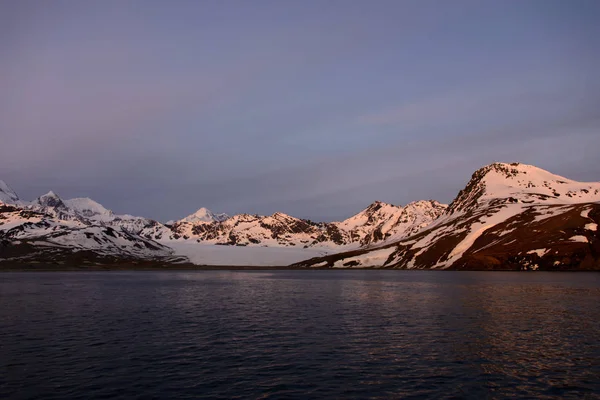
[[508, 216]]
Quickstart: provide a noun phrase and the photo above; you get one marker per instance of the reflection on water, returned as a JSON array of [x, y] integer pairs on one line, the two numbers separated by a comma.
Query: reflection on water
[[299, 334]]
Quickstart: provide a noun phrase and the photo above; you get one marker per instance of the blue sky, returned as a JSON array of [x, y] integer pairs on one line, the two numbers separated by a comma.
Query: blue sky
[[313, 108]]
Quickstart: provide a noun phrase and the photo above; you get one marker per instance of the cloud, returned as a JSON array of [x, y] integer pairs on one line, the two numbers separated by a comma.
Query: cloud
[[49, 114], [514, 97], [159, 110]]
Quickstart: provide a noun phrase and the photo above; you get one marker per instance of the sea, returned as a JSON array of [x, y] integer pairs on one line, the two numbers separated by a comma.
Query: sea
[[322, 334]]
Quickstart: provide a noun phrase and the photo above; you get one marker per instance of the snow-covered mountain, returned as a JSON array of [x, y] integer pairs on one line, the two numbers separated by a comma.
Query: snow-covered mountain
[[52, 230], [71, 218], [377, 223], [521, 183], [382, 221], [90, 209], [51, 204], [33, 237], [509, 216], [7, 195], [204, 215], [86, 211]]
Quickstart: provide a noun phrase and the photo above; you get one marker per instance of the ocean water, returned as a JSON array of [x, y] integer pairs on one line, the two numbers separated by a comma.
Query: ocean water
[[299, 335]]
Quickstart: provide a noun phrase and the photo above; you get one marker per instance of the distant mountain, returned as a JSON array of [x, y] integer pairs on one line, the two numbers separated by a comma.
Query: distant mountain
[[86, 211], [79, 226], [50, 230], [509, 216], [381, 221], [204, 215], [88, 208], [7, 195], [34, 237], [376, 223]]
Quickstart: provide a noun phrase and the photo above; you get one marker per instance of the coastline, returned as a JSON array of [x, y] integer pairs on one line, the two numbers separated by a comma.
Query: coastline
[[193, 267]]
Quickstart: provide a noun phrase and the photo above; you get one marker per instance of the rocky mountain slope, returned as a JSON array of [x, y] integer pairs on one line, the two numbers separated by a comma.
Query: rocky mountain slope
[[35, 237], [378, 222], [7, 195], [51, 230], [509, 216], [73, 220]]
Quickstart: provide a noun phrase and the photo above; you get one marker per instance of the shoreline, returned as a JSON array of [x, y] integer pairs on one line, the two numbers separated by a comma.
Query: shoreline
[[191, 267]]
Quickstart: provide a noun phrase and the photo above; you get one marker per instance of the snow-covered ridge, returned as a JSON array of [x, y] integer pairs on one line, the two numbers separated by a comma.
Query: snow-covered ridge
[[34, 236], [204, 215], [522, 183], [382, 221], [376, 224], [504, 214], [89, 208], [52, 230], [83, 210], [486, 223], [7, 195]]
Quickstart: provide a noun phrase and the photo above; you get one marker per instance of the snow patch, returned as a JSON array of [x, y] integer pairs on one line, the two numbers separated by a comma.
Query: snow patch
[[210, 254], [539, 252], [579, 238], [371, 259], [477, 229], [319, 265]]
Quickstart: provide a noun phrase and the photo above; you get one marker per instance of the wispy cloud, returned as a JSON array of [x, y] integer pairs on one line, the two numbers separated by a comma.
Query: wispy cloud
[[503, 99], [161, 109]]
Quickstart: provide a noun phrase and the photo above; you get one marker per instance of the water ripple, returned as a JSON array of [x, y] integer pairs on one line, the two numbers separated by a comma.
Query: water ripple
[[299, 334]]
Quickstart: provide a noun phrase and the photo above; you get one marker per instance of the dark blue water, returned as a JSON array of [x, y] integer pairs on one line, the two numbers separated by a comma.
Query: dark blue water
[[299, 334]]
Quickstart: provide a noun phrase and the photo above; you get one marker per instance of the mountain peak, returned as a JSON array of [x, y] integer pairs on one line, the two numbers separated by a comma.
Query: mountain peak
[[425, 204], [88, 208], [281, 215], [516, 182], [50, 194], [51, 199], [378, 205], [204, 215]]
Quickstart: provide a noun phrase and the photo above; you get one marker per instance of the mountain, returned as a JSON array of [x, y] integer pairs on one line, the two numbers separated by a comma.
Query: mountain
[[33, 237], [521, 183], [51, 204], [378, 223], [88, 208], [375, 224], [86, 211], [381, 221], [7, 195], [509, 216], [204, 215], [50, 230]]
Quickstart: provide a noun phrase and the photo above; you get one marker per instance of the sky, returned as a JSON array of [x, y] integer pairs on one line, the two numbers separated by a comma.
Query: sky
[[312, 108]]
